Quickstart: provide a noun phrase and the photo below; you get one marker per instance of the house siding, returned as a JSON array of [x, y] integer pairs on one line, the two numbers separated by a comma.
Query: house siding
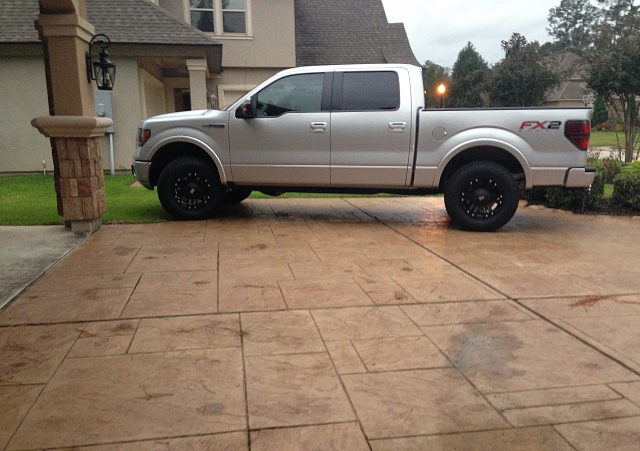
[[127, 112], [23, 95], [273, 44], [144, 87], [250, 60]]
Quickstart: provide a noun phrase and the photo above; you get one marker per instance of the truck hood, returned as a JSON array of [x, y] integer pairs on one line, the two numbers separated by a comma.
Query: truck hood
[[185, 117], [182, 115]]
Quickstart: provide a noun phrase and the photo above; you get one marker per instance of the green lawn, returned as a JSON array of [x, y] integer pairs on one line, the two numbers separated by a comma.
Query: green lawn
[[604, 138], [31, 200], [608, 191]]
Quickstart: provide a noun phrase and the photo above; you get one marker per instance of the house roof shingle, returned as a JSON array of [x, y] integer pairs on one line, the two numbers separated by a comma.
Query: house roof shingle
[[119, 19], [16, 21], [573, 87], [348, 32]]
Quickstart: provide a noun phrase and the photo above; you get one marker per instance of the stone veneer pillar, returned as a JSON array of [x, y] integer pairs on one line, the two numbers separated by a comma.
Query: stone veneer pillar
[[81, 176]]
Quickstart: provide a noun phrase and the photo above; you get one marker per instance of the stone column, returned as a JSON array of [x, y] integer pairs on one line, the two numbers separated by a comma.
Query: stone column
[[81, 176], [74, 131]]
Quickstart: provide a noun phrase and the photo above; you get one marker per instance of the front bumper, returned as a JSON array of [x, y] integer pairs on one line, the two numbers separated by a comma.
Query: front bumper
[[140, 170], [580, 177]]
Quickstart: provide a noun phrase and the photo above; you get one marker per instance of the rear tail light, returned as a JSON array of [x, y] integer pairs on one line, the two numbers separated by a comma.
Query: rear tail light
[[143, 136], [578, 132]]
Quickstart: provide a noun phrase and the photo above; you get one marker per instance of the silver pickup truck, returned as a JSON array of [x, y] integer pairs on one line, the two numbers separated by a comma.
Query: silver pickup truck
[[360, 129]]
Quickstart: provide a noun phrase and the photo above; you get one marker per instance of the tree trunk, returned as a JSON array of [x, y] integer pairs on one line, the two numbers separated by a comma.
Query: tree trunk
[[630, 127]]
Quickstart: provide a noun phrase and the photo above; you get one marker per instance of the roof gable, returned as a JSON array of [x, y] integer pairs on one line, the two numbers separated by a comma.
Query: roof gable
[[348, 32]]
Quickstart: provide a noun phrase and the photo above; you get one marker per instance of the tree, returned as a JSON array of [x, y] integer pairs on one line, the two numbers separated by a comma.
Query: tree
[[572, 24], [433, 75], [468, 79], [614, 72], [552, 48], [600, 113], [521, 79]]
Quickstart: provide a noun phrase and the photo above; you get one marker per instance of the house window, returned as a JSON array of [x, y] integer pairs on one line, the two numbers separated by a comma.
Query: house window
[[234, 14], [202, 15], [220, 16]]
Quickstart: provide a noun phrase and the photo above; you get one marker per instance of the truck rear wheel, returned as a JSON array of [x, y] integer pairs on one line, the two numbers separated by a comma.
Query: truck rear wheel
[[481, 196], [189, 189]]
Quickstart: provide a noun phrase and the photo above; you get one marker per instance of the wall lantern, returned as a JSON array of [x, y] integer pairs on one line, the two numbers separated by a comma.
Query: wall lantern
[[103, 71]]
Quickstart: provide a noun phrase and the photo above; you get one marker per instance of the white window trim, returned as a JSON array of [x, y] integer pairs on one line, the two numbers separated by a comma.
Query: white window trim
[[218, 25]]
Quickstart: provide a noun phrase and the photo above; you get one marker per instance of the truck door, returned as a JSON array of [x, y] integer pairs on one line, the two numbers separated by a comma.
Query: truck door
[[287, 142], [371, 124]]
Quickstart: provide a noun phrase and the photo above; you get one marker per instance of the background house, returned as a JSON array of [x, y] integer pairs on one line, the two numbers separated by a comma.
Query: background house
[[175, 55], [572, 91], [348, 32]]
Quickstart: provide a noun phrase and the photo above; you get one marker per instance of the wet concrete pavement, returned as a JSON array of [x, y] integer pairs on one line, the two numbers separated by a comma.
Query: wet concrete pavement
[[360, 323], [27, 252]]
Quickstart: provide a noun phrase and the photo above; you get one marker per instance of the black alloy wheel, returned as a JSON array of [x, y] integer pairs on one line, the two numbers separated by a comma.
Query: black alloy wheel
[[481, 196], [189, 189]]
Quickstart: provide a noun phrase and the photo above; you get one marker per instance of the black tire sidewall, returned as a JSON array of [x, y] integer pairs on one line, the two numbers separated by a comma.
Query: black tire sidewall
[[461, 178], [166, 188]]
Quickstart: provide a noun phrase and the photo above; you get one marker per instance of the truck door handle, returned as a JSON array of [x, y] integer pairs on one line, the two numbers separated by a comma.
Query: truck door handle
[[318, 127], [397, 127]]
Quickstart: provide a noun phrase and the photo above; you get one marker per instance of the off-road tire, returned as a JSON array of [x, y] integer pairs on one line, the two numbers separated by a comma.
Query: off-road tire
[[189, 189], [481, 196]]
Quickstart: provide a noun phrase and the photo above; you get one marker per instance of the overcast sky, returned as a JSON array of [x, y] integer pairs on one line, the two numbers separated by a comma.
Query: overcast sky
[[438, 30]]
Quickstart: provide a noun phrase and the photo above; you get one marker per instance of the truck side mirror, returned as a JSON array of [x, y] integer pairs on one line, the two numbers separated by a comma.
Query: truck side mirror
[[248, 109]]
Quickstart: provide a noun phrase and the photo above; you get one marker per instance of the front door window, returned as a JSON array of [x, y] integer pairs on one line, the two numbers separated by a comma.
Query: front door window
[[295, 94]]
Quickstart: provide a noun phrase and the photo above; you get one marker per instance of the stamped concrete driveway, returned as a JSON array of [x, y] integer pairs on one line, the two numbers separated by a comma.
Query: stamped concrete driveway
[[349, 324]]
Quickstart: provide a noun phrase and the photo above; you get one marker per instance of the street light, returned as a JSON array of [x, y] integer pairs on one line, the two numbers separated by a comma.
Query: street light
[[442, 89], [103, 71]]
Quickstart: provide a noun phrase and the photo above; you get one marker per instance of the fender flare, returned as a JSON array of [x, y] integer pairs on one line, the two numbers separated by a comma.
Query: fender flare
[[483, 142], [182, 139]]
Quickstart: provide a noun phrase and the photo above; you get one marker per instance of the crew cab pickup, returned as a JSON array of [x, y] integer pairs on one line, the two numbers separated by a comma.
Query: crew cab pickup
[[361, 129]]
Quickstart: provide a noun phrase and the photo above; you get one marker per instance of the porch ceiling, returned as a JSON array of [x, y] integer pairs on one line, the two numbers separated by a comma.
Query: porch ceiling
[[168, 66], [171, 61]]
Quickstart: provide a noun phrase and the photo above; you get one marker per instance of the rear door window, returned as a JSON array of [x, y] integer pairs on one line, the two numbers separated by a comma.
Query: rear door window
[[369, 91]]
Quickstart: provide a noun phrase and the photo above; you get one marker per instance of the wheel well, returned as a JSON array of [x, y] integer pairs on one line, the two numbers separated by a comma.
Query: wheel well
[[483, 153], [170, 152]]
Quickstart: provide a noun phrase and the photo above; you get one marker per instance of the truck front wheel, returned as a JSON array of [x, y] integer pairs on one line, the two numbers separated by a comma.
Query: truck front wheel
[[189, 189], [481, 196]]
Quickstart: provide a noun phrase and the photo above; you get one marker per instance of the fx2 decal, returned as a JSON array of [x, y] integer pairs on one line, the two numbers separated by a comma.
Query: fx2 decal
[[546, 125]]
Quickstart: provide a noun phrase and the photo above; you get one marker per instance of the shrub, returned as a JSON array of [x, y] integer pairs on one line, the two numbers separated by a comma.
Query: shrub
[[626, 190], [570, 198], [535, 195], [578, 199], [610, 125], [610, 167]]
